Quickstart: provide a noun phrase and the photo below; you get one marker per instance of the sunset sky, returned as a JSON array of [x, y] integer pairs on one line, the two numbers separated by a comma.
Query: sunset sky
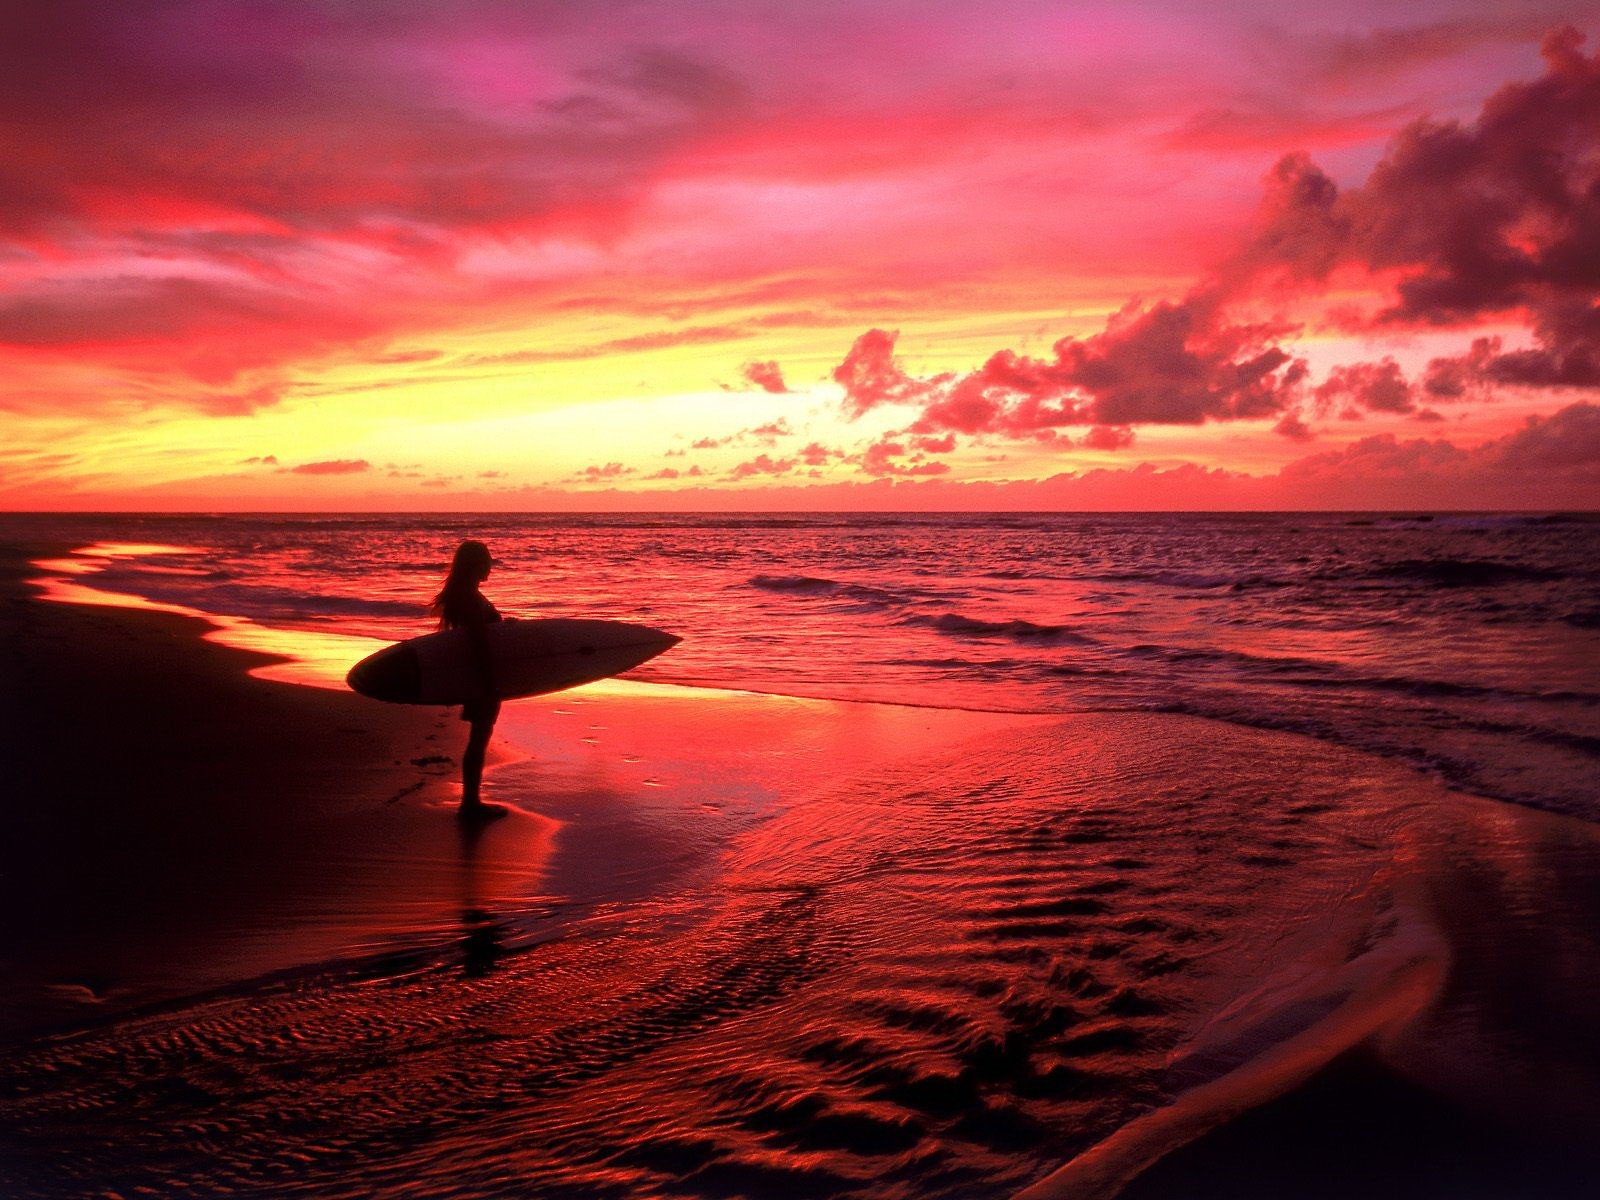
[[554, 255]]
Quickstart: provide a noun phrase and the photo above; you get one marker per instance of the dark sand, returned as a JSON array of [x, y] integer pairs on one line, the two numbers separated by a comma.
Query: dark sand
[[173, 823], [735, 945]]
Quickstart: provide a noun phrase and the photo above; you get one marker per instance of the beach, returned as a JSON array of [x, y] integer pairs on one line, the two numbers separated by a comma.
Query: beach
[[176, 824], [738, 944]]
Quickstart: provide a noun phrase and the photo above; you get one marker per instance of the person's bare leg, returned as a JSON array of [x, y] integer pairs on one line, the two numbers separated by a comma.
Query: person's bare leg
[[472, 765]]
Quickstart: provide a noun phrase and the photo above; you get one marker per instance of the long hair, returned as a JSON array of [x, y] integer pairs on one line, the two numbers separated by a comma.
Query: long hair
[[468, 569]]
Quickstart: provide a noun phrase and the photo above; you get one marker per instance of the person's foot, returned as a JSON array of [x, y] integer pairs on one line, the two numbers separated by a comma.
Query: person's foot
[[478, 810]]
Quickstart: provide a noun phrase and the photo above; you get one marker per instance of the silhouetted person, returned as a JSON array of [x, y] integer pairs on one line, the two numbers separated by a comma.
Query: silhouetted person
[[460, 605]]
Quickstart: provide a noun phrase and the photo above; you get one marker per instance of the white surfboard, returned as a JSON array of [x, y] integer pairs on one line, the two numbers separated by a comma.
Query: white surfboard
[[526, 658]]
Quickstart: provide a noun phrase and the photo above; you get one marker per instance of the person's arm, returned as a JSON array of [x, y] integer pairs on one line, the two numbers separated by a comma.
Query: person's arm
[[478, 648]]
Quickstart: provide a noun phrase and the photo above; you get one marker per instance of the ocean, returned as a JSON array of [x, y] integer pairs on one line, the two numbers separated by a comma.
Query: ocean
[[1466, 645]]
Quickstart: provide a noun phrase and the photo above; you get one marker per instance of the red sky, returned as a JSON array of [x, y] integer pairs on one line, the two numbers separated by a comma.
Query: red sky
[[462, 255]]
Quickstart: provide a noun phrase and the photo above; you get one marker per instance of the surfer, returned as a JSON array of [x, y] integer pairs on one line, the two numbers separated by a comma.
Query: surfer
[[460, 605]]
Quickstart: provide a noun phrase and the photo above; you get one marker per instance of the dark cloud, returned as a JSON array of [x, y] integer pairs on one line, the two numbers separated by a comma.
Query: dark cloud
[[207, 330], [1293, 426], [1357, 58], [188, 102], [1473, 221], [1496, 218], [1108, 437], [1564, 447], [1376, 387], [1450, 379], [1568, 439], [160, 337], [1169, 363], [1268, 124]]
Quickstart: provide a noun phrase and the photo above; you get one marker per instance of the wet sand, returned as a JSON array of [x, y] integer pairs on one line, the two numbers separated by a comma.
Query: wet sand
[[738, 945]]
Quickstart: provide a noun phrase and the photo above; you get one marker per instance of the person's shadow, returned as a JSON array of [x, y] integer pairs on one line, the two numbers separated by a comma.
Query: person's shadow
[[482, 935]]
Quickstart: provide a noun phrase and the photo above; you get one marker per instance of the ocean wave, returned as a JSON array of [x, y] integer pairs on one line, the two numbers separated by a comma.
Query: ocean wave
[[1193, 580], [1583, 618], [1448, 572], [1433, 688], [960, 625], [859, 593], [792, 583], [1016, 573], [1198, 654], [1312, 673]]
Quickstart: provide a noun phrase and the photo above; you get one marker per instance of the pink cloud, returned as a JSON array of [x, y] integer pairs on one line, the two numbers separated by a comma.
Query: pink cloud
[[871, 375], [333, 466], [598, 472], [815, 454], [769, 432], [886, 457], [1109, 437], [767, 376], [762, 464]]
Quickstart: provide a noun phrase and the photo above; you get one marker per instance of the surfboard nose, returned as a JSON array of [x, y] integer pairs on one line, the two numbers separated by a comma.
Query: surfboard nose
[[667, 640]]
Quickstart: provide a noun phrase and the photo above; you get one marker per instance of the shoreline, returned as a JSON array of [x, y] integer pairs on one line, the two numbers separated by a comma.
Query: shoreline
[[185, 735]]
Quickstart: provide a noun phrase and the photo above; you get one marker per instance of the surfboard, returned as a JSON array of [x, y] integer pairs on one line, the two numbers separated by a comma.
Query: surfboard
[[526, 658]]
